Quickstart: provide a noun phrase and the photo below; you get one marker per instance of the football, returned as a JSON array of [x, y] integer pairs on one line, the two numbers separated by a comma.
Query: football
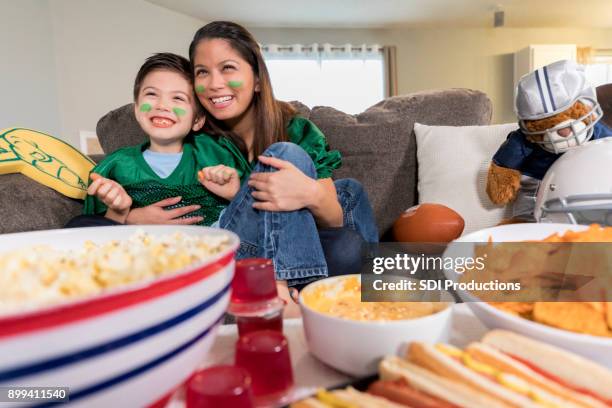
[[428, 222]]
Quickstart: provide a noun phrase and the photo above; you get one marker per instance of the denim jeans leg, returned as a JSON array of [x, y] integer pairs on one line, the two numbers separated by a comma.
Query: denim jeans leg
[[344, 250], [289, 238], [357, 210]]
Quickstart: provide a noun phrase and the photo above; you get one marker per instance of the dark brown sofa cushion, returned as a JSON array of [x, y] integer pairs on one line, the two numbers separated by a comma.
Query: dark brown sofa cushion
[[604, 97], [118, 128]]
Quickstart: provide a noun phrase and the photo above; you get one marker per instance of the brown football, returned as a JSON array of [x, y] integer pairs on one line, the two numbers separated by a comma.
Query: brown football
[[428, 222]]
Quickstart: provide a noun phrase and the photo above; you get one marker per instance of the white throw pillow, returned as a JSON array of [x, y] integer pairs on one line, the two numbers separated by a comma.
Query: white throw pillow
[[452, 166]]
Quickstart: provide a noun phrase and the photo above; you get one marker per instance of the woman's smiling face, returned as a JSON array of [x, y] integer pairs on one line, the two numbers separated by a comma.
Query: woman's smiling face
[[224, 81]]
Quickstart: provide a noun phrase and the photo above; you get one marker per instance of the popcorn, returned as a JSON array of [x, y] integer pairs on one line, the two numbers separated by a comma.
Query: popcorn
[[40, 275]]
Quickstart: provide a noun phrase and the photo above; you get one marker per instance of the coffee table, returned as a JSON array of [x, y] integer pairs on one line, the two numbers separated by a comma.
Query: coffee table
[[311, 374]]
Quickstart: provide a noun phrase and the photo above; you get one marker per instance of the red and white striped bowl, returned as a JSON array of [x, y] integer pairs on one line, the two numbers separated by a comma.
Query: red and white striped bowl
[[127, 348]]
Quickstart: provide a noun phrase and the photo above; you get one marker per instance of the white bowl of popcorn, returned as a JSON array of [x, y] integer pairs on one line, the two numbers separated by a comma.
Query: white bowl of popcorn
[[120, 315]]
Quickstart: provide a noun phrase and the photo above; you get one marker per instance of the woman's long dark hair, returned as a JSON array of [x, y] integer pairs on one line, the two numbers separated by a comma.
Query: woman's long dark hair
[[271, 116]]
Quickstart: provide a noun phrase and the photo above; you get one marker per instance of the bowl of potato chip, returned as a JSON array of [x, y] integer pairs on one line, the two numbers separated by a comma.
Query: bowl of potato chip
[[554, 254], [121, 315]]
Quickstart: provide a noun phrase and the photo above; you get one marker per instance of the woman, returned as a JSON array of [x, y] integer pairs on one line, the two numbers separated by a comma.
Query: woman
[[287, 208]]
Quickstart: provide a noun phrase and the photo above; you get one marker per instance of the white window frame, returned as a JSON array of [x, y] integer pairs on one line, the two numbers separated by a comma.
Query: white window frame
[[347, 92]]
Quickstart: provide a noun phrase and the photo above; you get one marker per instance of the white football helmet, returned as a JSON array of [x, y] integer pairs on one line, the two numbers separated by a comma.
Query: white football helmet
[[577, 188], [553, 89]]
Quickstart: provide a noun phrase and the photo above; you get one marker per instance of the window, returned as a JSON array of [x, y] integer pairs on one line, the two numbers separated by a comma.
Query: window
[[348, 78], [599, 71]]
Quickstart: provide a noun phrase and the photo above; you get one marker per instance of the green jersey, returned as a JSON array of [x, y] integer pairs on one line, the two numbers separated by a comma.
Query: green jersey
[[300, 131], [128, 167]]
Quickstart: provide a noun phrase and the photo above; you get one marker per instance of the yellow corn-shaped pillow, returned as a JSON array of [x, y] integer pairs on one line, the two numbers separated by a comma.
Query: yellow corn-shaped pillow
[[45, 159]]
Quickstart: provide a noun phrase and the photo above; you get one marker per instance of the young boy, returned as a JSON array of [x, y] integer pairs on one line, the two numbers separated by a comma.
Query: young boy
[[168, 164]]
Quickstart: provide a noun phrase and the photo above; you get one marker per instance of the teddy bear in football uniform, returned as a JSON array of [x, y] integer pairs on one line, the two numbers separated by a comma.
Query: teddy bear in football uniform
[[557, 110]]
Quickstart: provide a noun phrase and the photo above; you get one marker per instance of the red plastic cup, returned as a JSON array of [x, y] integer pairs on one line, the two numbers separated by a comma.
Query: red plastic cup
[[265, 355], [220, 386], [271, 321], [254, 281], [254, 289]]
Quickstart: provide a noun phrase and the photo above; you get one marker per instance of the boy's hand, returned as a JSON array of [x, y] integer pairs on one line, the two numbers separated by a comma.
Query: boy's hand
[[111, 193], [220, 180]]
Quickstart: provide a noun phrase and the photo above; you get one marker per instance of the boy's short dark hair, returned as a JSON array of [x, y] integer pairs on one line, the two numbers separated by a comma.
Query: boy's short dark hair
[[163, 61]]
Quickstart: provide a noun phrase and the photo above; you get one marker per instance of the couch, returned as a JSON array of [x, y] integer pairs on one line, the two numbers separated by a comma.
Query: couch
[[378, 148]]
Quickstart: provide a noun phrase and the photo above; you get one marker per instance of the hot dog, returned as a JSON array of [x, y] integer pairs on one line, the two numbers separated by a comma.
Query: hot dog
[[557, 370], [431, 386], [519, 371], [503, 370]]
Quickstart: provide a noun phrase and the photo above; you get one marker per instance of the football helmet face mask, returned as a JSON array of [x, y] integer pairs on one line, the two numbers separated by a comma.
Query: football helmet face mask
[[577, 189], [578, 131]]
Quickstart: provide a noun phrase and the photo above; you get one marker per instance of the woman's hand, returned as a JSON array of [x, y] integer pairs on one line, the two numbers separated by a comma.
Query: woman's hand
[[220, 180], [156, 214], [287, 189], [111, 193]]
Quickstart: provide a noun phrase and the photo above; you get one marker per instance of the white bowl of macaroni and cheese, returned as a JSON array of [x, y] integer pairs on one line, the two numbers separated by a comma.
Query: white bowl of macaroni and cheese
[[352, 336], [120, 315]]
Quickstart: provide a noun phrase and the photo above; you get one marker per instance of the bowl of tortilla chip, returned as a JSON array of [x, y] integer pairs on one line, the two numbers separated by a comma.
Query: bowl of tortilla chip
[[584, 327]]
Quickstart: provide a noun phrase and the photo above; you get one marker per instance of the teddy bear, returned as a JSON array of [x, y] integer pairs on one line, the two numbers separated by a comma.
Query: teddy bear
[[557, 110]]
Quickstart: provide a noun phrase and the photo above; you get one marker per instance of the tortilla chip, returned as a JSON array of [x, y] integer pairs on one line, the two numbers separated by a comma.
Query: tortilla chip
[[516, 308], [581, 317]]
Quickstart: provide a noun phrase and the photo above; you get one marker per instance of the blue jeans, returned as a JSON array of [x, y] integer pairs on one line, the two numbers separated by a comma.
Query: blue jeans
[[300, 251]]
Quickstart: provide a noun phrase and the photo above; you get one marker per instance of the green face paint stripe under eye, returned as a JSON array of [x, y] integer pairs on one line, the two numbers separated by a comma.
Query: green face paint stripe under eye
[[200, 89], [145, 107], [179, 111], [234, 84]]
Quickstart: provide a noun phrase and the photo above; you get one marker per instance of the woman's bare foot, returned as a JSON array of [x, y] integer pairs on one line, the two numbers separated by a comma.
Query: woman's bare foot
[[292, 309]]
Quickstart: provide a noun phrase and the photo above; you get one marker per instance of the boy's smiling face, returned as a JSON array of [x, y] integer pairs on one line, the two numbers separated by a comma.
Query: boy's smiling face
[[166, 110]]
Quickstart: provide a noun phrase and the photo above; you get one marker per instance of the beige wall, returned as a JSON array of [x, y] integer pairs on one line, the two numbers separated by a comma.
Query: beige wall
[[28, 86], [443, 58], [77, 58]]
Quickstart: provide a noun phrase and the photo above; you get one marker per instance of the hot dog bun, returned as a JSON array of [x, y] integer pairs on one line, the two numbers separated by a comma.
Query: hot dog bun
[[441, 363], [427, 382], [504, 370], [567, 369], [484, 353]]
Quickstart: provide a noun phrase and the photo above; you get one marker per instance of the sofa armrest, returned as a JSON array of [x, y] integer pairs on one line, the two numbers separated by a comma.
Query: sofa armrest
[[26, 205]]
